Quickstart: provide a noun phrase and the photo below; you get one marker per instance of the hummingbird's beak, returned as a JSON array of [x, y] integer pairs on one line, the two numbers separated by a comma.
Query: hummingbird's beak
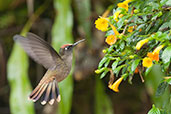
[[78, 42]]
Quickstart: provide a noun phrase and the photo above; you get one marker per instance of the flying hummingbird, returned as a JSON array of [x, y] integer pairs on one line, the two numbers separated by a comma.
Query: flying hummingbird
[[58, 65]]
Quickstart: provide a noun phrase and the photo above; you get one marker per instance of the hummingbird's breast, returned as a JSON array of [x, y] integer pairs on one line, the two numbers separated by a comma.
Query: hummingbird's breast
[[63, 70]]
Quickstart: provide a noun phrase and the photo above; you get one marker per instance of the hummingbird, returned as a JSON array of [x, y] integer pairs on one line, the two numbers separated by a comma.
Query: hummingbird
[[58, 65]]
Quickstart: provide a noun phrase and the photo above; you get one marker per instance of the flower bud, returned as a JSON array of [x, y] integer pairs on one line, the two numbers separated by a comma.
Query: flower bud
[[141, 43]]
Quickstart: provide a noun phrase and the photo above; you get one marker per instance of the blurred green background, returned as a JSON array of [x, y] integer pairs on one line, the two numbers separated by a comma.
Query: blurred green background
[[59, 22]]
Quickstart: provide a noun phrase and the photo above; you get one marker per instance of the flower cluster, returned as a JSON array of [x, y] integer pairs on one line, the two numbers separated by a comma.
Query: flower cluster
[[135, 43]]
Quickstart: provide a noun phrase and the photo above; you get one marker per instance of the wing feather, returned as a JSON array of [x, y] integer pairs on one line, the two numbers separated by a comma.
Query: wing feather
[[39, 50]]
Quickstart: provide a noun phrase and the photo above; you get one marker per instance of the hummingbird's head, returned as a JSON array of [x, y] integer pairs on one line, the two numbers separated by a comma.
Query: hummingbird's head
[[67, 48]]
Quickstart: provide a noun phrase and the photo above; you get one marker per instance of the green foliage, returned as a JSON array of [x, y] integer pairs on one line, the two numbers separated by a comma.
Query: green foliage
[[144, 33], [62, 34], [154, 110], [161, 88]]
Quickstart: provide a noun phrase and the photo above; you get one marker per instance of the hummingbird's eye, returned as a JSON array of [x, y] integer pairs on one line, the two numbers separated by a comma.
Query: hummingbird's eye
[[66, 48]]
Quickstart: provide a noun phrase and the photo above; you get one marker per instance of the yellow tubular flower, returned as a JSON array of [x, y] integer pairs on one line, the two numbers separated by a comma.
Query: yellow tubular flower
[[114, 29], [102, 24], [147, 62], [116, 84], [116, 15], [106, 13], [123, 5], [111, 39], [141, 43], [127, 1], [157, 50]]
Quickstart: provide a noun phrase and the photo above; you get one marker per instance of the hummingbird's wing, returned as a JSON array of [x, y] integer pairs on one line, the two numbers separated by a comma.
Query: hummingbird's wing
[[39, 50]]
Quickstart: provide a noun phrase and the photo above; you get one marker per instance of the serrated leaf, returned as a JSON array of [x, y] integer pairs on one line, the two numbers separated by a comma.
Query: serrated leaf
[[102, 62], [134, 65], [161, 88], [166, 55], [154, 110]]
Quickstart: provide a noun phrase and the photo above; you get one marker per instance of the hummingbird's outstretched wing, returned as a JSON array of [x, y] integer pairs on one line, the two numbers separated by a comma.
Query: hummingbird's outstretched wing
[[39, 50]]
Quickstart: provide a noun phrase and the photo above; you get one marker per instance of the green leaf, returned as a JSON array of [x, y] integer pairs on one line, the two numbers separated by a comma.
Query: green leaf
[[122, 46], [154, 110], [107, 63], [102, 62], [115, 64], [104, 73], [168, 3], [166, 55], [117, 70], [158, 14], [148, 28], [134, 65], [163, 2], [121, 22], [168, 81], [140, 26], [164, 26], [161, 88]]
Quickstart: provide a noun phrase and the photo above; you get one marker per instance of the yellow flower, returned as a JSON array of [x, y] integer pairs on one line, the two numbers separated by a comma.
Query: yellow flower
[[157, 50], [130, 29], [116, 15], [147, 62], [155, 54], [123, 5], [127, 1], [116, 84], [106, 13], [141, 43], [102, 24], [111, 39], [114, 29]]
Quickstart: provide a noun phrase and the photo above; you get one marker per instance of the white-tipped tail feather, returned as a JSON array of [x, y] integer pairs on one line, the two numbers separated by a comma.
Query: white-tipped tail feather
[[48, 92]]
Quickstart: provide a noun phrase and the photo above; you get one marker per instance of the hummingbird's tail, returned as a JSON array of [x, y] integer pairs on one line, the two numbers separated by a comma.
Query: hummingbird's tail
[[49, 92]]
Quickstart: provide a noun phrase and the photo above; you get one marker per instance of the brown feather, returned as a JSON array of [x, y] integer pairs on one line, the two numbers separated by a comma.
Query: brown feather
[[39, 50]]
